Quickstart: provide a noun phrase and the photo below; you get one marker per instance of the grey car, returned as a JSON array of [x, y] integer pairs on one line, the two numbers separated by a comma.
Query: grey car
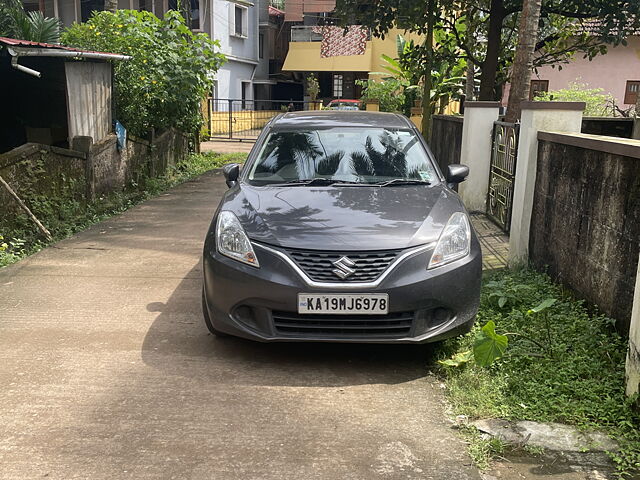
[[340, 227]]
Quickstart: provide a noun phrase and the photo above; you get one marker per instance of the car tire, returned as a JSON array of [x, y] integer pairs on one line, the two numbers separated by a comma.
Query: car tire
[[207, 319]]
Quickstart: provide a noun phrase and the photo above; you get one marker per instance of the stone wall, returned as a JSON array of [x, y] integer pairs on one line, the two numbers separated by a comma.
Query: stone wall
[[87, 171], [47, 170], [168, 149], [446, 139], [585, 225], [113, 170]]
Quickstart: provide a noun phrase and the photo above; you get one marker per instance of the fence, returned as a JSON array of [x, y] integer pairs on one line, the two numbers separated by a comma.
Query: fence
[[502, 173], [244, 119], [446, 139], [611, 127]]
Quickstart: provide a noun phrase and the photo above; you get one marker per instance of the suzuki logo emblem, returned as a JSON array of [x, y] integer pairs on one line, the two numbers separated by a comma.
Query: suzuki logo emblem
[[343, 267]]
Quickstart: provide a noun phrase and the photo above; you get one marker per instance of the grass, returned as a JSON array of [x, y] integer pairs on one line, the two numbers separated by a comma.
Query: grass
[[562, 365], [64, 216]]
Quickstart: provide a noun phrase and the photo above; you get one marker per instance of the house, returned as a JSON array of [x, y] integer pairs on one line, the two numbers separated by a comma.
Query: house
[[249, 33], [53, 98], [338, 60], [57, 124], [617, 72]]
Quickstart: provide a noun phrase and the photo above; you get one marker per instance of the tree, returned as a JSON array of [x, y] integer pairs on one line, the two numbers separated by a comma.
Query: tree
[[313, 87], [521, 73], [415, 16], [170, 71], [470, 80], [567, 26], [32, 26], [586, 25], [427, 108]]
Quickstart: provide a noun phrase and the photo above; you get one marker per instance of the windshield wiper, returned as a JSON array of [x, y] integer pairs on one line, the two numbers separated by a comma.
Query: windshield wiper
[[314, 181], [402, 181]]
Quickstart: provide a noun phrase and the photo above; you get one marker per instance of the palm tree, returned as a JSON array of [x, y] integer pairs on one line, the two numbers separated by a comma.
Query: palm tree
[[287, 148], [391, 162], [328, 165], [32, 26]]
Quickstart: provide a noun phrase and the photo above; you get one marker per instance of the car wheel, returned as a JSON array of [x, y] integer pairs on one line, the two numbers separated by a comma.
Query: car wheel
[[207, 319]]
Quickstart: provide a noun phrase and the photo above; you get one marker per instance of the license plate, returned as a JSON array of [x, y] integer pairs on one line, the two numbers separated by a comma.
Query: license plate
[[344, 304]]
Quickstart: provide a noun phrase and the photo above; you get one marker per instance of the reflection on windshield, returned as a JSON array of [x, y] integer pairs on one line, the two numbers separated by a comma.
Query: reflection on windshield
[[362, 155]]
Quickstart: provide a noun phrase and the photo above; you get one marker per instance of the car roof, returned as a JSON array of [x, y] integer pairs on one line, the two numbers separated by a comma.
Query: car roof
[[334, 118]]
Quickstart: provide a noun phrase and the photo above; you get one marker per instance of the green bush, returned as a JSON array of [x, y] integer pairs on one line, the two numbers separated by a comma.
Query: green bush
[[170, 70], [563, 364], [598, 103], [389, 92]]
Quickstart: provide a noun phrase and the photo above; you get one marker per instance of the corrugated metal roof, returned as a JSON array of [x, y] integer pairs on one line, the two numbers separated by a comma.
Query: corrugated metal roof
[[275, 12], [14, 42]]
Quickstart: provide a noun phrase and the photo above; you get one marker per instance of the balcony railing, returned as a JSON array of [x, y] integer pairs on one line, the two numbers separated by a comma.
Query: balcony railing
[[305, 33]]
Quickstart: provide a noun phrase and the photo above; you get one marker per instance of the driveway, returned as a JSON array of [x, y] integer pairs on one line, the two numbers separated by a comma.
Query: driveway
[[107, 371]]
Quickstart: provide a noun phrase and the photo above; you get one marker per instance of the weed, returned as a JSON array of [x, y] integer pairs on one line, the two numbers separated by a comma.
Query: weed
[[579, 381], [533, 450], [482, 449]]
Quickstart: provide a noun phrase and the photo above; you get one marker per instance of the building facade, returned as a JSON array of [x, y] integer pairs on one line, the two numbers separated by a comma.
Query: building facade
[[337, 65], [248, 32], [617, 72]]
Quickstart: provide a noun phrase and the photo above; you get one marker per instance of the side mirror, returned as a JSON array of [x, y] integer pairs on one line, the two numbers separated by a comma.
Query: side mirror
[[457, 173], [231, 171]]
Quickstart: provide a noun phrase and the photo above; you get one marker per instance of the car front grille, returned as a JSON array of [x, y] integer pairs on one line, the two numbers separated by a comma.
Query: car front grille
[[392, 325], [319, 265]]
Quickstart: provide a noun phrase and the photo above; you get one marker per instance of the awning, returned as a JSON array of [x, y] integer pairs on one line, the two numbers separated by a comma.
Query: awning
[[305, 57]]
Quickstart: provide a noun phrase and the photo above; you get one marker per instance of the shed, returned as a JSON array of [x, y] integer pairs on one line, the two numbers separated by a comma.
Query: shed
[[53, 93]]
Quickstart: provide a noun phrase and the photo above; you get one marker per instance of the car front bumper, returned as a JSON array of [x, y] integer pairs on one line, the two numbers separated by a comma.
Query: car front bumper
[[251, 302]]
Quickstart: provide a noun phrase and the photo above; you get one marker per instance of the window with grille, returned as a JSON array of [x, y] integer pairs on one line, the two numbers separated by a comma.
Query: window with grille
[[631, 92], [538, 86], [337, 86]]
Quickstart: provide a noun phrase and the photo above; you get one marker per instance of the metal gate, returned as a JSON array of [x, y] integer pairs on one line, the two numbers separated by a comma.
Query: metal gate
[[502, 173], [244, 119]]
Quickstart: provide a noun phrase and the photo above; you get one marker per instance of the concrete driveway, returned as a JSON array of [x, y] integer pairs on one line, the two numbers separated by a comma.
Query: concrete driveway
[[107, 371]]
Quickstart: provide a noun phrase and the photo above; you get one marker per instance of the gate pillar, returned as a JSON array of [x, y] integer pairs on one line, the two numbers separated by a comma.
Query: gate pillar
[[475, 152], [536, 116]]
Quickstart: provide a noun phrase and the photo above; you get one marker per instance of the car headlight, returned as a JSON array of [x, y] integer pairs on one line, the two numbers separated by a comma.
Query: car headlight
[[232, 241], [454, 241]]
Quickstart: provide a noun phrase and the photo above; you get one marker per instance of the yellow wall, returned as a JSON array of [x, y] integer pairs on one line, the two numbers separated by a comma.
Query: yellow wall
[[387, 47], [305, 56], [242, 121]]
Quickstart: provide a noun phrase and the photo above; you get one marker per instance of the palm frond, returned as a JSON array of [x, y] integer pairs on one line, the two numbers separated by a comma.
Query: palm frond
[[328, 166], [43, 29], [32, 26], [362, 164]]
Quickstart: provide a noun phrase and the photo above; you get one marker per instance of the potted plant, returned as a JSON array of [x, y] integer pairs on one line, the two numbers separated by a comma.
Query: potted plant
[[313, 89]]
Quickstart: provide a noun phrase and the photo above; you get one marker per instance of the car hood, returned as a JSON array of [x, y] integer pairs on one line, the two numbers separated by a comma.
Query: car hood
[[343, 217]]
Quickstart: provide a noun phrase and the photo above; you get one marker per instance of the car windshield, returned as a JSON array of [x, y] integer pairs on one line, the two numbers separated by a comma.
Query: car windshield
[[343, 105], [344, 155]]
